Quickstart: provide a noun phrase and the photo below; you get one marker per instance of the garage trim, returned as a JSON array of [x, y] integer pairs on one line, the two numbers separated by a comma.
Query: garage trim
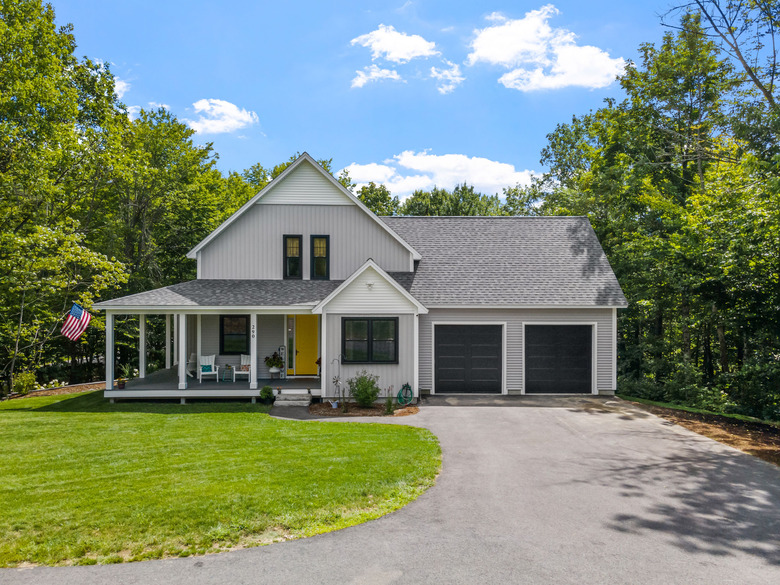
[[593, 350], [502, 324]]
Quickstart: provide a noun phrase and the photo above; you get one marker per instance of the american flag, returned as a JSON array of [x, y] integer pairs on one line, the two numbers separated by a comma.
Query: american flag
[[75, 323]]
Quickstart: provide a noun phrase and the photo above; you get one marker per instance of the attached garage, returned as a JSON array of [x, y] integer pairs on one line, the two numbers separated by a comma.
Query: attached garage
[[468, 359], [558, 359]]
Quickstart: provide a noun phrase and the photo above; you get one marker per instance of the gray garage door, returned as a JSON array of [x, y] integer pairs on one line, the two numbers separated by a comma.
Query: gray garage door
[[468, 359], [558, 359]]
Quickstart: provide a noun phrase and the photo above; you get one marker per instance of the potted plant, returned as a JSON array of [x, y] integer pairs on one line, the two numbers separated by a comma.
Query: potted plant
[[266, 395], [126, 372], [274, 362]]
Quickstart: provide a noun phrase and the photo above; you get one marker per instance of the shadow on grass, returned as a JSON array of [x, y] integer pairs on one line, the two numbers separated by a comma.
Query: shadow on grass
[[714, 503], [94, 402]]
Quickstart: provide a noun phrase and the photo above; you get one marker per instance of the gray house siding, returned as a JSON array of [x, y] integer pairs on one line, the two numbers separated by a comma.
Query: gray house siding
[[252, 247], [270, 335], [395, 375], [514, 319]]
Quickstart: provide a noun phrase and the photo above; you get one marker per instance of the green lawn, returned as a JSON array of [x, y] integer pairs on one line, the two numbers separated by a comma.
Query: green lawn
[[83, 481]]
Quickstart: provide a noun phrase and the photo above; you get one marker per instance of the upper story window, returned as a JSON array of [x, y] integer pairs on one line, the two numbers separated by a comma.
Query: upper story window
[[320, 257], [293, 265]]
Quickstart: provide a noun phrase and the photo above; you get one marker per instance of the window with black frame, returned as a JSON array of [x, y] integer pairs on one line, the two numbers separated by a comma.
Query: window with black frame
[[233, 334], [371, 340], [320, 259], [292, 257]]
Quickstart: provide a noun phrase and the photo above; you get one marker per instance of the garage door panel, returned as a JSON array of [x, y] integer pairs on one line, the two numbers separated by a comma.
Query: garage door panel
[[468, 358], [558, 359]]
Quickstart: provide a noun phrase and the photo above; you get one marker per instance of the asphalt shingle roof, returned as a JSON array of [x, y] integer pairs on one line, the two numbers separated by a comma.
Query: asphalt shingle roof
[[492, 261], [230, 293]]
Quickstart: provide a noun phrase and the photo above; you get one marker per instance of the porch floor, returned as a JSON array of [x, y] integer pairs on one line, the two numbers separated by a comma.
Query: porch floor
[[165, 384]]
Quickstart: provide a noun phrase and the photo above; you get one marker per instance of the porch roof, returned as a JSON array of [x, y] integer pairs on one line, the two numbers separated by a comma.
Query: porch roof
[[227, 293]]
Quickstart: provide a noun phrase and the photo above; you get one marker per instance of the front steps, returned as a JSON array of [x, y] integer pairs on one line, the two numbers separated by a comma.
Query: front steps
[[293, 399]]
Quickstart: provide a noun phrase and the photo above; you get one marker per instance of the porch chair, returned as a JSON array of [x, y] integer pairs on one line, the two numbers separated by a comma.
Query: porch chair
[[244, 369], [192, 365], [206, 367]]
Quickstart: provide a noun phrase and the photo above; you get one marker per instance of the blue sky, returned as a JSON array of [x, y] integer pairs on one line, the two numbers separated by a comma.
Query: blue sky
[[407, 93]]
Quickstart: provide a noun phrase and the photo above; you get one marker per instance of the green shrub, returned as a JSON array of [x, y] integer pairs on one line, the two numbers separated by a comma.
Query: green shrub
[[389, 407], [266, 393], [364, 388], [755, 389], [24, 383]]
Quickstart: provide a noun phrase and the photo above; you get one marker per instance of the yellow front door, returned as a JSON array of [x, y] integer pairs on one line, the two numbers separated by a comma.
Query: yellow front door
[[307, 334]]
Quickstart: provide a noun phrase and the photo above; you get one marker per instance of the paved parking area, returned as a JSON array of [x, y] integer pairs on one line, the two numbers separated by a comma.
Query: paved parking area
[[584, 491]]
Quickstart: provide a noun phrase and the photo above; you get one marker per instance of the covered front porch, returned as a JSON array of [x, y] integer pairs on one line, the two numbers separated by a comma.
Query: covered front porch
[[164, 384]]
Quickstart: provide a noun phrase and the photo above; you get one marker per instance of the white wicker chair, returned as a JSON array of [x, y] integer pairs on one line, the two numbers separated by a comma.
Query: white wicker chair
[[245, 369], [206, 367]]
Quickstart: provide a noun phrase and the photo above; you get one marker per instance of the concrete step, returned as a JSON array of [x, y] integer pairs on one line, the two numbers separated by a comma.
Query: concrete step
[[285, 403], [293, 400]]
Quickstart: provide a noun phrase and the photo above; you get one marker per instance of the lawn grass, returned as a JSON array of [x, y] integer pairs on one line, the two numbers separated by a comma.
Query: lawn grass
[[739, 417], [83, 481]]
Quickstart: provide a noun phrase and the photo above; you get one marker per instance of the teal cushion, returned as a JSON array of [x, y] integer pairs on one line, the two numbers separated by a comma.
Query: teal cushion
[[205, 368]]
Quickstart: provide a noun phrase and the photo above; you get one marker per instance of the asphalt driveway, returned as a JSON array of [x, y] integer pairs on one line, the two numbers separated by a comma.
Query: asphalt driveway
[[585, 492]]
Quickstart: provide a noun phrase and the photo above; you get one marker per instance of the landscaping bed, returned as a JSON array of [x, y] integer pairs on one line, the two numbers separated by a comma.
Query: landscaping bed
[[325, 409], [751, 436], [83, 481]]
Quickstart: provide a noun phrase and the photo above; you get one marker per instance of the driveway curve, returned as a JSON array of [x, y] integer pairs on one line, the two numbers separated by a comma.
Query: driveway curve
[[591, 491]]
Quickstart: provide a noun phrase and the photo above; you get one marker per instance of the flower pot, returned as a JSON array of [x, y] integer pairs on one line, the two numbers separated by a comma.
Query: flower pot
[[120, 384], [334, 404], [273, 370]]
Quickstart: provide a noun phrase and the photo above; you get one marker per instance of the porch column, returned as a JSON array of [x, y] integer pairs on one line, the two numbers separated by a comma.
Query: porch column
[[175, 338], [142, 346], [109, 357], [167, 341], [198, 343], [323, 353], [253, 351], [182, 352]]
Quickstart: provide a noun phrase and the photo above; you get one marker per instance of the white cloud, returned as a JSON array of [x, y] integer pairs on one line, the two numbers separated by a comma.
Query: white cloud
[[387, 43], [540, 56], [220, 116], [374, 73], [449, 78], [121, 87], [410, 170], [133, 111], [158, 105]]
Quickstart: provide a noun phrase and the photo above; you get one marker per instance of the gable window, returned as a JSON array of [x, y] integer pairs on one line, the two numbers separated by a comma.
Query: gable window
[[320, 258], [369, 340], [292, 257], [233, 334]]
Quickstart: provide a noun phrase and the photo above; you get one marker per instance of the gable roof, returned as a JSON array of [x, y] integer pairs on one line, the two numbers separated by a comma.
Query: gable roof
[[507, 261], [228, 293], [270, 187], [370, 265]]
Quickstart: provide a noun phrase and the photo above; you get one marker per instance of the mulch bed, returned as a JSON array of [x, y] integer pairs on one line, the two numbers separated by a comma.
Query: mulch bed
[[758, 439], [325, 409], [64, 390]]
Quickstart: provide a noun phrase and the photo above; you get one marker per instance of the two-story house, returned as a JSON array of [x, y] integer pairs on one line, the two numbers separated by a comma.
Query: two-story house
[[500, 305]]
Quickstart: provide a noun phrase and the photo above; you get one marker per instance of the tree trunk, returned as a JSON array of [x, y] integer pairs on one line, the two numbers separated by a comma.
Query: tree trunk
[[707, 351], [724, 352], [686, 330]]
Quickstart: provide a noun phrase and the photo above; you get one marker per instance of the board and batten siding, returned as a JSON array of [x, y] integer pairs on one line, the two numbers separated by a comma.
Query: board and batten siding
[[252, 246], [370, 291], [514, 319], [395, 375], [270, 335]]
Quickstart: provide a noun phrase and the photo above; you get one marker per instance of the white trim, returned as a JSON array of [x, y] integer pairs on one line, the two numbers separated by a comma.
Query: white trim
[[323, 352], [175, 338], [167, 341], [110, 352], [614, 350], [391, 281], [545, 307], [142, 346], [593, 350], [416, 389], [253, 351], [198, 269], [503, 324], [199, 339], [183, 352], [207, 310], [270, 186]]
